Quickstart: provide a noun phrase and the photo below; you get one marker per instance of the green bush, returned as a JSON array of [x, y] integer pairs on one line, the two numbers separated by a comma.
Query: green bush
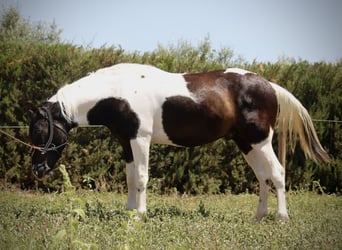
[[33, 71]]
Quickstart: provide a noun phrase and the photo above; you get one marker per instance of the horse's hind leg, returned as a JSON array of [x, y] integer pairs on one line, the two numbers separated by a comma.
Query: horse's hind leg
[[261, 172], [266, 166]]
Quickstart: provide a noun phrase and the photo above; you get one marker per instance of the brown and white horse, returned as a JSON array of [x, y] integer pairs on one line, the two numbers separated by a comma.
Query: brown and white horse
[[141, 104]]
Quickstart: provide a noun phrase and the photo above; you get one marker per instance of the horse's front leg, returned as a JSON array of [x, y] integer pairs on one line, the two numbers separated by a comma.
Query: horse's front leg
[[140, 148], [130, 177]]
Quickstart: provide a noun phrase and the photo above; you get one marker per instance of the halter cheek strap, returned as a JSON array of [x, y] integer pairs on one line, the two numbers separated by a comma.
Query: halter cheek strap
[[49, 146], [46, 148]]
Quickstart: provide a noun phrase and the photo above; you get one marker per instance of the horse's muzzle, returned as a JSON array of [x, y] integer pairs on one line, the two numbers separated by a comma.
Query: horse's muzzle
[[41, 170]]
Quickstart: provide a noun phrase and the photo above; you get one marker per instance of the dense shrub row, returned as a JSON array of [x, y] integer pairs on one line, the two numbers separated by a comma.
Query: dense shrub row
[[31, 72]]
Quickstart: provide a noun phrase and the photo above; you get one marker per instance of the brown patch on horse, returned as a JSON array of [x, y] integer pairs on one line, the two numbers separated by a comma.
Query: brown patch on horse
[[197, 81], [253, 98], [257, 108], [207, 116], [238, 106]]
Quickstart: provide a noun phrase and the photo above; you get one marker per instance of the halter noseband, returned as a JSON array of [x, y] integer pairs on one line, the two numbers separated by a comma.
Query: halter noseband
[[49, 146]]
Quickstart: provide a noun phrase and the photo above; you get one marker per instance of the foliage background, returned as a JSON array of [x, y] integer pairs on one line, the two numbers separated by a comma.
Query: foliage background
[[34, 63]]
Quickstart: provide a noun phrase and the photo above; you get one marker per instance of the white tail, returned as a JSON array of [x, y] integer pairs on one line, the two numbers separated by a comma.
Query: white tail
[[294, 120]]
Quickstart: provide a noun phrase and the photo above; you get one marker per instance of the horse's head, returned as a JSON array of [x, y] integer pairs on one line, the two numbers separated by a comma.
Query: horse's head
[[49, 135]]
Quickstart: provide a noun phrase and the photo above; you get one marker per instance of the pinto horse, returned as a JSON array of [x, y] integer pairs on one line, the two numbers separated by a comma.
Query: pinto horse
[[141, 104]]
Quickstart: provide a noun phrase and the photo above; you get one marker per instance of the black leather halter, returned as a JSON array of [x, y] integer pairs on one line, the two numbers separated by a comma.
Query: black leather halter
[[49, 146]]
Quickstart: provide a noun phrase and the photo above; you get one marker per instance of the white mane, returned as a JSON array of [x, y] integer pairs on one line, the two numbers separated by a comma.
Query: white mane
[[67, 107]]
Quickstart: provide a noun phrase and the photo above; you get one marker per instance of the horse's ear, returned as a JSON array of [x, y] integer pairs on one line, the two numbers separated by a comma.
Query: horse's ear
[[31, 109]]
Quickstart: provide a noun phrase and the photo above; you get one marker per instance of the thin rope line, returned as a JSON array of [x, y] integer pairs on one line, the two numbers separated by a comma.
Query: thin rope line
[[328, 121], [25, 126], [13, 127], [100, 126], [90, 126]]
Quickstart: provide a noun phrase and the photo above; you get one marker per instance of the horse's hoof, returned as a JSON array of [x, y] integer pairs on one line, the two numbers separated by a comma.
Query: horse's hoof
[[259, 217], [283, 217]]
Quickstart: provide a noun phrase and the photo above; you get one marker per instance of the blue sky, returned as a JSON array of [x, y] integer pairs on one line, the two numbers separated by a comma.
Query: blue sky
[[265, 30]]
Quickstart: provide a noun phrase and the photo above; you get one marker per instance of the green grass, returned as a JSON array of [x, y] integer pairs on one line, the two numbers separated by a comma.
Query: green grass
[[92, 220]]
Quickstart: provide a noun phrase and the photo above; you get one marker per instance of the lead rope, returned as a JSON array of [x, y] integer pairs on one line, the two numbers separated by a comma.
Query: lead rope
[[20, 141]]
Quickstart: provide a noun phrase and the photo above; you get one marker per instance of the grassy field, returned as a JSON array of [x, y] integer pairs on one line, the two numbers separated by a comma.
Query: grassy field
[[91, 220]]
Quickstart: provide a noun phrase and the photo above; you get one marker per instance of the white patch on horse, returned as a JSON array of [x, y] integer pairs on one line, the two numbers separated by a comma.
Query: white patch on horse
[[202, 94], [238, 71]]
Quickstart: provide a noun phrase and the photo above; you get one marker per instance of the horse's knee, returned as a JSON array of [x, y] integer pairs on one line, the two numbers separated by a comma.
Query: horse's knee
[[140, 147], [141, 181], [278, 176]]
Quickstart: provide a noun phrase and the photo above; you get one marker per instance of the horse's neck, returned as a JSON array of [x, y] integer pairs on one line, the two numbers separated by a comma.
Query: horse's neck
[[79, 97]]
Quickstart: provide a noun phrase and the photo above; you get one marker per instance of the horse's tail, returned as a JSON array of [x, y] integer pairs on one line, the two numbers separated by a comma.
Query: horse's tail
[[294, 120]]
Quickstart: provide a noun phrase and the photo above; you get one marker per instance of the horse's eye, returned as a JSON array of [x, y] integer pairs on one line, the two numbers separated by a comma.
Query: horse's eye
[[37, 131]]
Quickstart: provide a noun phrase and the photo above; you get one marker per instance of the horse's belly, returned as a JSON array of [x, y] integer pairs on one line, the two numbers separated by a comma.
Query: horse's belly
[[159, 135]]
